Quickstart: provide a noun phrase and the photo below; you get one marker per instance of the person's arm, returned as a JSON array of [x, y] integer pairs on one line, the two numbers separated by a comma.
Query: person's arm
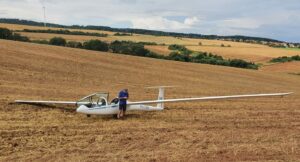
[[123, 96]]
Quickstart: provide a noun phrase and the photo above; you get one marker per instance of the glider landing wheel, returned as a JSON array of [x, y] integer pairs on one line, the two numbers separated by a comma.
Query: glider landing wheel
[[115, 116], [88, 115]]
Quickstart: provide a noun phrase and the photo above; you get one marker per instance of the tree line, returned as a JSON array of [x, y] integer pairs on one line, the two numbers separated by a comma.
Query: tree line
[[286, 59], [67, 32], [7, 34], [181, 53]]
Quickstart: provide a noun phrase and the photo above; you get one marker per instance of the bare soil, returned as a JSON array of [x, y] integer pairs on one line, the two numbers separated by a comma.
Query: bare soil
[[264, 129]]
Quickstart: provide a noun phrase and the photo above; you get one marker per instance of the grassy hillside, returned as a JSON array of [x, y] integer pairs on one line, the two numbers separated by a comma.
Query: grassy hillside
[[263, 129]]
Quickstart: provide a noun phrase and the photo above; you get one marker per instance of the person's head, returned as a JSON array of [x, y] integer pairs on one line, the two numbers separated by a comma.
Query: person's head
[[126, 90]]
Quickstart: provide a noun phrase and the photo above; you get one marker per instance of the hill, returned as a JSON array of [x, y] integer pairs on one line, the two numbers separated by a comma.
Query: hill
[[263, 129], [238, 50], [141, 31]]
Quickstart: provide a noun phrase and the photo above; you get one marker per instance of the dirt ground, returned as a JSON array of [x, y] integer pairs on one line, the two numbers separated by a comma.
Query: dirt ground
[[264, 129]]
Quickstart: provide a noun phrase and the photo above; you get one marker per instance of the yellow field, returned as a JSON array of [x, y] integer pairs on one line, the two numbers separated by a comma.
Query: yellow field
[[255, 54], [22, 27], [288, 67], [265, 129], [163, 50]]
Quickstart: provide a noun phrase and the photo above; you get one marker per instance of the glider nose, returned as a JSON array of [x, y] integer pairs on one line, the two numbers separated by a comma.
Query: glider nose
[[81, 109]]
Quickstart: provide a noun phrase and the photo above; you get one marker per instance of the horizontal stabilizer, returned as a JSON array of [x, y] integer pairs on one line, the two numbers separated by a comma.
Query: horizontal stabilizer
[[157, 87]]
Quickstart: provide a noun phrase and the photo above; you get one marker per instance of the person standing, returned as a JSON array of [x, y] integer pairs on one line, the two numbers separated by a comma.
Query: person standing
[[123, 97]]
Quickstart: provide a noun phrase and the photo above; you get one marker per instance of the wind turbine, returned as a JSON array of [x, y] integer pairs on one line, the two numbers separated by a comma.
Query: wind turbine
[[44, 11]]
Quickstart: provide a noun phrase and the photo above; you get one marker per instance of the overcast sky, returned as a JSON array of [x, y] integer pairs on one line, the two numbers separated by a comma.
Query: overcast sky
[[278, 19]]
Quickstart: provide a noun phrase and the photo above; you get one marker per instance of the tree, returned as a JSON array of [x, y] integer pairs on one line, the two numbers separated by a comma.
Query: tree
[[58, 41], [8, 34], [5, 33], [177, 47], [96, 45], [176, 56], [19, 37]]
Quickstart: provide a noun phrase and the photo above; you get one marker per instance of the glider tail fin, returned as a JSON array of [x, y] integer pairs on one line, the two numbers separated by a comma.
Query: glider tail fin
[[161, 96]]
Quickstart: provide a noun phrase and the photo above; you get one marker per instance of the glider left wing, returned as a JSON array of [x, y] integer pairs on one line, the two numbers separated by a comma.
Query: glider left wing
[[46, 102]]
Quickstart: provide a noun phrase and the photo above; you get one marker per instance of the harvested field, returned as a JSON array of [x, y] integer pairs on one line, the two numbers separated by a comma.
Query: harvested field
[[287, 67], [265, 129], [256, 54], [163, 50], [22, 27], [78, 38]]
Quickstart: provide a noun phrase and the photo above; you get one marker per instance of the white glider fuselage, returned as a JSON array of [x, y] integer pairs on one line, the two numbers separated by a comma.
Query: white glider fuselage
[[113, 109]]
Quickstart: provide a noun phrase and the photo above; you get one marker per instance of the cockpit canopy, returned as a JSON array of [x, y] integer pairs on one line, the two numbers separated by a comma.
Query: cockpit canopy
[[96, 99]]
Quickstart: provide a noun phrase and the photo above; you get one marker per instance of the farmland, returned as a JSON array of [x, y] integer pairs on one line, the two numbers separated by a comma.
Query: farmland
[[265, 129], [250, 52]]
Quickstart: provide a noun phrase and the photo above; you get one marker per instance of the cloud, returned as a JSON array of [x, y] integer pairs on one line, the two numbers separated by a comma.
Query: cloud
[[275, 19], [157, 23], [191, 21], [161, 23], [128, 1], [245, 23]]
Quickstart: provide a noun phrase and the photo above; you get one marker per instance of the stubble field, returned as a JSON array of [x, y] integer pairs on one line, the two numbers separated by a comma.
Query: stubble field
[[265, 129]]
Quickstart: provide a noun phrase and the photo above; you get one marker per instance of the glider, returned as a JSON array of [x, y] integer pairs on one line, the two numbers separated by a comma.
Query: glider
[[97, 103]]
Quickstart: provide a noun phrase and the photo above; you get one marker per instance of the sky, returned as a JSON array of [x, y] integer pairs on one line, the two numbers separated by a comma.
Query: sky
[[277, 19]]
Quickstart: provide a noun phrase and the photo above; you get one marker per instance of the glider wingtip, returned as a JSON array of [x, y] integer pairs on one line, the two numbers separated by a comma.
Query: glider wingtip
[[287, 93]]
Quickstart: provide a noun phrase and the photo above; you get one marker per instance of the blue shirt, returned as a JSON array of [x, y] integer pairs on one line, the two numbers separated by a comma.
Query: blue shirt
[[121, 95]]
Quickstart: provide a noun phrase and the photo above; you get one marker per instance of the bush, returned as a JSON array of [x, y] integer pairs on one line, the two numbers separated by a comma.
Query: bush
[[96, 45], [296, 58], [122, 34], [176, 56], [148, 43], [129, 48], [139, 50], [58, 41], [19, 37], [286, 59], [74, 44], [242, 64], [5, 33], [177, 47]]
